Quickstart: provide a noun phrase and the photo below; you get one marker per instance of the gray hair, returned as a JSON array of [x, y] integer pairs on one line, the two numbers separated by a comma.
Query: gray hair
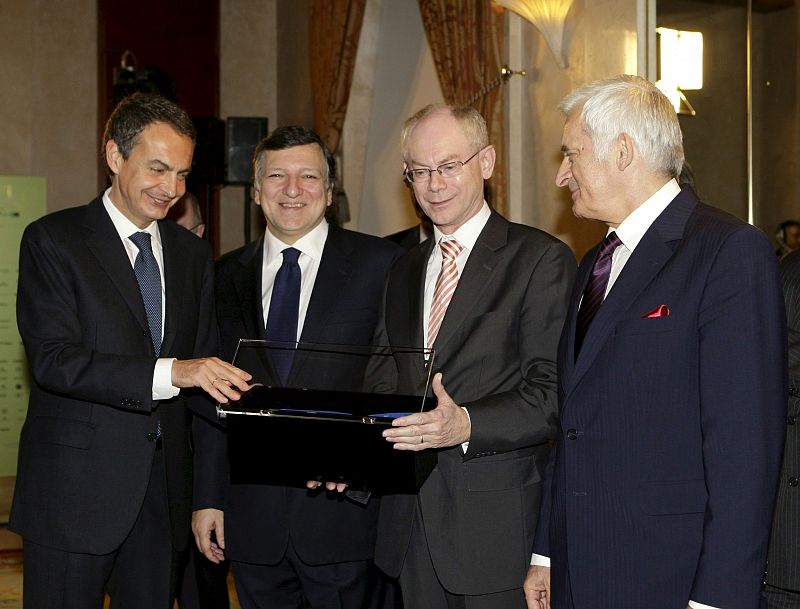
[[632, 105]]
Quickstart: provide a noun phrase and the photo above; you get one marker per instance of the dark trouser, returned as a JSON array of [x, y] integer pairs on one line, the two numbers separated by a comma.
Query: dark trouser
[[778, 598], [292, 584], [423, 590], [205, 584], [140, 573]]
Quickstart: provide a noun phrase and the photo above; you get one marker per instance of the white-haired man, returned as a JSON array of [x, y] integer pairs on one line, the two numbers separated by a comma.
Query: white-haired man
[[672, 376]]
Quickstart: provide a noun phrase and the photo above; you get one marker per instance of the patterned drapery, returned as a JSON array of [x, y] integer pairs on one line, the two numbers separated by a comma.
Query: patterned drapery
[[333, 33], [466, 40]]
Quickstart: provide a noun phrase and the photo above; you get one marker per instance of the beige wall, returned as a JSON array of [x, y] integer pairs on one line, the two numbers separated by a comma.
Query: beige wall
[[48, 108], [600, 41], [248, 72]]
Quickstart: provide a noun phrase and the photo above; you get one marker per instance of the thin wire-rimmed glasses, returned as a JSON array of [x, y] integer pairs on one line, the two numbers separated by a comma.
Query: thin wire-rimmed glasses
[[446, 170]]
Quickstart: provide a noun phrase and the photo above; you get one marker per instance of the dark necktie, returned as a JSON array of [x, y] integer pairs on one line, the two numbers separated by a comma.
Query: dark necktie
[[149, 278], [284, 306], [595, 289]]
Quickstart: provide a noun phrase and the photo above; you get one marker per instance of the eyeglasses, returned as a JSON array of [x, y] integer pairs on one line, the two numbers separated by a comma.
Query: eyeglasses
[[446, 170]]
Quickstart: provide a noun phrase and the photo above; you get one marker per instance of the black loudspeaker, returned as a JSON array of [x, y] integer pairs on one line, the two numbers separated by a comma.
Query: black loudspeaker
[[208, 166], [242, 136]]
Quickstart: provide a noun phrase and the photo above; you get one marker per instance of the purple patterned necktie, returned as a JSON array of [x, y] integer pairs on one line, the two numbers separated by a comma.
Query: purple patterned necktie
[[595, 289]]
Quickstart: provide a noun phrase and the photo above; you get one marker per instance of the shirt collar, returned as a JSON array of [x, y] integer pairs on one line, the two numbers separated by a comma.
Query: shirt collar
[[125, 228], [467, 234], [311, 244], [633, 228]]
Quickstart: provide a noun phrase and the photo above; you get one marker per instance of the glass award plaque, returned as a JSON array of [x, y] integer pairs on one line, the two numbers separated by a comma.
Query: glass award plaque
[[325, 420]]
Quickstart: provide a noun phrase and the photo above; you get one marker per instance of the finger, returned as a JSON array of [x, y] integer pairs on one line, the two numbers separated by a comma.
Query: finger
[[412, 447], [313, 484], [406, 434], [219, 532]]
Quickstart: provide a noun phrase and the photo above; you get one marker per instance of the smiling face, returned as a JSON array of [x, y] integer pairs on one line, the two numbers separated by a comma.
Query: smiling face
[[448, 201], [589, 180], [292, 191], [153, 177]]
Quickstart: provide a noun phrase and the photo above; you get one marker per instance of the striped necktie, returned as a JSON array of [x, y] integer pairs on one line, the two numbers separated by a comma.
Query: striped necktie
[[595, 291], [445, 286]]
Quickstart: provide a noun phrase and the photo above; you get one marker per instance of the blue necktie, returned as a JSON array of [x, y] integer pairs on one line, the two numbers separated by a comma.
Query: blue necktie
[[149, 278], [283, 314]]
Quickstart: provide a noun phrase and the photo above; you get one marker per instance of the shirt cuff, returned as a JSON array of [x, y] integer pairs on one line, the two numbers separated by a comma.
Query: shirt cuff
[[695, 605], [163, 389], [540, 561], [465, 445]]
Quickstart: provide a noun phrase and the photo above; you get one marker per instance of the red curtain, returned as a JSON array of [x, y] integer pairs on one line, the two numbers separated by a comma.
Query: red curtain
[[333, 33], [466, 40]]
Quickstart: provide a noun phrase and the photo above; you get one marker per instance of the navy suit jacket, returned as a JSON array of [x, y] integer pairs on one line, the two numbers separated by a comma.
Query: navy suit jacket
[[87, 445], [324, 527], [661, 483]]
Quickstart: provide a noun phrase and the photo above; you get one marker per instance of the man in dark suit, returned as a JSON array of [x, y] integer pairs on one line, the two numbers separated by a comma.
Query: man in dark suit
[[292, 547], [411, 237], [782, 589], [672, 379], [460, 542], [103, 490]]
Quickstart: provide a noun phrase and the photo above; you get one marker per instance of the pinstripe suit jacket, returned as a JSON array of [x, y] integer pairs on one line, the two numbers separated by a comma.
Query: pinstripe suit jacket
[[661, 483], [783, 569]]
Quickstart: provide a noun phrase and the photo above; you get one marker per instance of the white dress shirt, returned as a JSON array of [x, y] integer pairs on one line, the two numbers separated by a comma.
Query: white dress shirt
[[630, 232], [466, 235], [163, 389], [310, 246]]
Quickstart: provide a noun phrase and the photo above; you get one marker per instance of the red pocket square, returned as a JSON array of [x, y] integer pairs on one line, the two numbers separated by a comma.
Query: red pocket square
[[659, 311]]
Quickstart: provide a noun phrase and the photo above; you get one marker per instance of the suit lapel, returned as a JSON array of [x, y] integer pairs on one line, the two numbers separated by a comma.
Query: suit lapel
[[247, 285], [651, 254], [418, 266], [104, 242], [475, 277], [334, 269], [173, 284]]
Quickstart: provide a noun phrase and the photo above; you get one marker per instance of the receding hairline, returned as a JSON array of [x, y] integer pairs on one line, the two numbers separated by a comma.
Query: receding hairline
[[470, 122]]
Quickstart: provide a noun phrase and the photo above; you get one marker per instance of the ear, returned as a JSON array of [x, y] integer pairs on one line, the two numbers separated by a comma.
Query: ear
[[487, 158], [329, 196], [625, 151], [114, 157]]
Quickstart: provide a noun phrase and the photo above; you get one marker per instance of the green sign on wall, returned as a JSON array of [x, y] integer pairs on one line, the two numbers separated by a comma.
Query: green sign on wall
[[22, 200]]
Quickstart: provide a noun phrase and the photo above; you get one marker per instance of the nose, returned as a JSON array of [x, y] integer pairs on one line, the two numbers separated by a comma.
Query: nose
[[436, 182], [171, 184], [564, 173], [292, 187]]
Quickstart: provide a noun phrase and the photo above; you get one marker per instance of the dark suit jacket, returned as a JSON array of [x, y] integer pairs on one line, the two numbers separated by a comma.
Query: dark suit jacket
[[660, 486], [496, 348], [324, 527], [783, 569], [407, 239], [87, 446]]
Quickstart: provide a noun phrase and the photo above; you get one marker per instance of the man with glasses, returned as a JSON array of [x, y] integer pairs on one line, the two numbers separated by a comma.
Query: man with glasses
[[489, 297]]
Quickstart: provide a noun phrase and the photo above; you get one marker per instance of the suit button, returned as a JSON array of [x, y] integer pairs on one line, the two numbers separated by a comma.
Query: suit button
[[572, 434], [793, 481], [152, 436], [791, 419]]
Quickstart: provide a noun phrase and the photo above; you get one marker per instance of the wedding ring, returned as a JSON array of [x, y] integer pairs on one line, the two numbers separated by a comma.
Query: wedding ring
[[215, 380], [421, 439]]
